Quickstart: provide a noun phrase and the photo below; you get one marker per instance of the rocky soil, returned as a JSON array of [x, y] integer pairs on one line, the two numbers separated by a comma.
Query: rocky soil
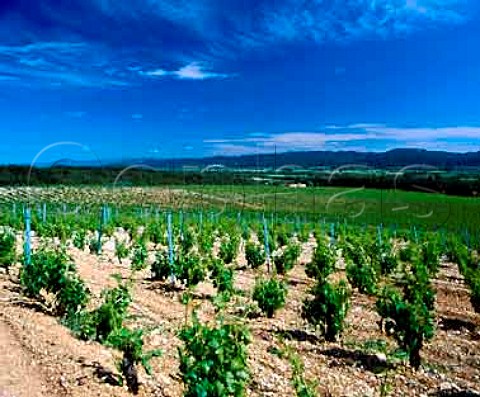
[[40, 357]]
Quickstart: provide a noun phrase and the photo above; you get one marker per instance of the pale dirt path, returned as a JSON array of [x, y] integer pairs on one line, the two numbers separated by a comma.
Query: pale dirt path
[[19, 375]]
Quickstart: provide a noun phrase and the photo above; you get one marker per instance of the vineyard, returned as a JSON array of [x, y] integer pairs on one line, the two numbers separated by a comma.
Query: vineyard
[[238, 291]]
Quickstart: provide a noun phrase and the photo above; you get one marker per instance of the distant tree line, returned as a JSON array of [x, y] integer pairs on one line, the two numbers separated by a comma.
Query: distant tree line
[[465, 184]]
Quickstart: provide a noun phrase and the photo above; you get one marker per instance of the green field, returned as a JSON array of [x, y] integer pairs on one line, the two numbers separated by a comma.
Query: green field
[[359, 206], [392, 208]]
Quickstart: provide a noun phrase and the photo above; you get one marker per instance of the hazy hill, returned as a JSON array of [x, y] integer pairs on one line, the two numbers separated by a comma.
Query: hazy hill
[[391, 159]]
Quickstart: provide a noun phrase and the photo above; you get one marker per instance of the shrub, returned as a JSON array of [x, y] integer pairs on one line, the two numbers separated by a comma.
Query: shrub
[[287, 260], [95, 245], [79, 239], [205, 241], [323, 262], [457, 252], [222, 278], [229, 249], [272, 238], [130, 343], [303, 234], [383, 257], [430, 256], [328, 308], [139, 257], [105, 324], [213, 360], [72, 297], [270, 295], [361, 274], [472, 278], [409, 316], [161, 266], [50, 271], [44, 272], [407, 253], [303, 387], [108, 318], [255, 255], [246, 233], [156, 233], [7, 249], [388, 261], [191, 270], [282, 236], [187, 240], [121, 250]]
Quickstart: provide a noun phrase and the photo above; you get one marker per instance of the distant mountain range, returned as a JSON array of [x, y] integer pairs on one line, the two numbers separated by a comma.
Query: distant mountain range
[[392, 159]]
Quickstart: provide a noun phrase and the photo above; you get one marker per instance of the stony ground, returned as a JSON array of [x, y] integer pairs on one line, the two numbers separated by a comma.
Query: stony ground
[[41, 358]]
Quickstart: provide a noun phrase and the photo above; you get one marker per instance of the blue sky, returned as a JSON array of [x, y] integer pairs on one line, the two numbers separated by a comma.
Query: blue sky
[[151, 78]]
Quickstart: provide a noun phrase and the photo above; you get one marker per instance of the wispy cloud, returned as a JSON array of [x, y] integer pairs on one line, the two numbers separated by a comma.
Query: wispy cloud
[[133, 36], [192, 71], [58, 64], [194, 14], [346, 20], [81, 64], [319, 20], [362, 136]]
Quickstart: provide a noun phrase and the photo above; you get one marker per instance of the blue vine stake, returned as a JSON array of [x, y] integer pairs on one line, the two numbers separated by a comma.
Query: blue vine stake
[[170, 247], [267, 248], [181, 224], [379, 234], [394, 230], [103, 219], [442, 234], [44, 217], [332, 234], [28, 246], [467, 239]]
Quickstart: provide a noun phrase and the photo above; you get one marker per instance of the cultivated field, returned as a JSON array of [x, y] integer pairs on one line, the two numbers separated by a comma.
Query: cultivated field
[[231, 291]]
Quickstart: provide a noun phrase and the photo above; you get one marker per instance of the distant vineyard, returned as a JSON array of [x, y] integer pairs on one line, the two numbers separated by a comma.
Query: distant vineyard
[[392, 208]]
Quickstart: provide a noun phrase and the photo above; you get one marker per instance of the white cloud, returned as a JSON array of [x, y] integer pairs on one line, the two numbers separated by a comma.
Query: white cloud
[[361, 136], [398, 133], [191, 71], [195, 71], [154, 73]]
